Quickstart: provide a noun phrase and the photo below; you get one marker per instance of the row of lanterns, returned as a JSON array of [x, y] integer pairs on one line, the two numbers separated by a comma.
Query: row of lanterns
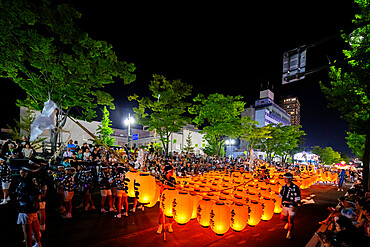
[[217, 200]]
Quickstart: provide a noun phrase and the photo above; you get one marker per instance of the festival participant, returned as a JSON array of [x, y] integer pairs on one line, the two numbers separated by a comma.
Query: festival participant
[[5, 178], [167, 181], [78, 178], [58, 176], [119, 180], [68, 187], [104, 184], [291, 196], [27, 195], [87, 185]]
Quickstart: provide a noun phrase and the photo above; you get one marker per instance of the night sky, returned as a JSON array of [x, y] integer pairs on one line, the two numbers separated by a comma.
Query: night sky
[[223, 47]]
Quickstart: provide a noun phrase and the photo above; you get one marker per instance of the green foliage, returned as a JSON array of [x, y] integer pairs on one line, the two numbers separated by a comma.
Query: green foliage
[[257, 136], [356, 143], [221, 116], [23, 128], [283, 139], [327, 155], [349, 89], [165, 110], [189, 146], [48, 56], [104, 130]]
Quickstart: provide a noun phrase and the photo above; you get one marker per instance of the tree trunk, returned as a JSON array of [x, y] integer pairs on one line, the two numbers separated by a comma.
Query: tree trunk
[[366, 160]]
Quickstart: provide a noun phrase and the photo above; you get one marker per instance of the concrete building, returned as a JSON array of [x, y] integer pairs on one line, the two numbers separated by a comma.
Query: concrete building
[[292, 106], [267, 112], [177, 140]]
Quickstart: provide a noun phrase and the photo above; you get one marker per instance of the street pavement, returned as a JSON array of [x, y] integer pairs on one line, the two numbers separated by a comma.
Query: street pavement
[[95, 229]]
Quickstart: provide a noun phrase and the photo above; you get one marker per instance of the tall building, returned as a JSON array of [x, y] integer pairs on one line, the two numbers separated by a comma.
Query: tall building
[[267, 112], [292, 106]]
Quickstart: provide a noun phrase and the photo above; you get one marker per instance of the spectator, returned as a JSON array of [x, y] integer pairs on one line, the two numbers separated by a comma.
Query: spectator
[[6, 178], [71, 146], [27, 151], [68, 153]]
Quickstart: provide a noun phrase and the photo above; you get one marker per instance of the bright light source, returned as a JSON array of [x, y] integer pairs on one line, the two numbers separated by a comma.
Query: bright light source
[[129, 121]]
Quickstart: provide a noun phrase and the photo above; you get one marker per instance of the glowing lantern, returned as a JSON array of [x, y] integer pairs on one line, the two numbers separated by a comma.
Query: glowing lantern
[[166, 201], [253, 196], [182, 207], [196, 199], [268, 207], [131, 176], [334, 177], [326, 176], [220, 218], [203, 211], [254, 213], [145, 187], [277, 201], [239, 216], [156, 196], [264, 192]]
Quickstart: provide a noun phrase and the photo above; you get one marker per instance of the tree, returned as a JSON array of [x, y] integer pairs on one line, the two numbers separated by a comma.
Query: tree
[[23, 128], [284, 139], [356, 143], [165, 111], [189, 146], [349, 89], [221, 116], [256, 137], [327, 155], [48, 56], [104, 130]]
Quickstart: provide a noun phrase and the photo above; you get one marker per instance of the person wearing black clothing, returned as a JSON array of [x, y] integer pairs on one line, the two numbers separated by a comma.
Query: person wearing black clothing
[[291, 195], [28, 198]]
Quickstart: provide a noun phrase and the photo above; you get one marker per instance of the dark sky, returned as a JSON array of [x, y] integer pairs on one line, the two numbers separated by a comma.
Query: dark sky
[[225, 47]]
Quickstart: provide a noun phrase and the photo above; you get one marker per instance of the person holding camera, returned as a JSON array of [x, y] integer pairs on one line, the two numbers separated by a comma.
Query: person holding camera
[[291, 196]]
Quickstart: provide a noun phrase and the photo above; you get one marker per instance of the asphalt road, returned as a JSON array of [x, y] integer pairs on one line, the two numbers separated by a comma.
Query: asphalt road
[[94, 229]]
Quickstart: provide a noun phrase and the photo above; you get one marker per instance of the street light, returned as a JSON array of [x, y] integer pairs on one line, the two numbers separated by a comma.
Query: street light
[[128, 121], [230, 143]]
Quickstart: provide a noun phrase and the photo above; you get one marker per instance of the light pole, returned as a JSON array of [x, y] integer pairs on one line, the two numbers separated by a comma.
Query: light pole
[[128, 121]]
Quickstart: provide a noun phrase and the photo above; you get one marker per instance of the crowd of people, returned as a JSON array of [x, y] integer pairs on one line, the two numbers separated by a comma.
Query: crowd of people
[[348, 224], [87, 169]]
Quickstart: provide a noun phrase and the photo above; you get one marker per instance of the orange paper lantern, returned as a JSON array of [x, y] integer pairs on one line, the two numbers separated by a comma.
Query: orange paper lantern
[[166, 201], [196, 199], [268, 207], [131, 176], [220, 218], [156, 196], [182, 207], [239, 216], [145, 187], [254, 213], [203, 211]]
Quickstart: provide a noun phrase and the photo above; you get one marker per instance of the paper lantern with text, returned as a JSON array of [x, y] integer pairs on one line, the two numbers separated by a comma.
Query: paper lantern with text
[[277, 201], [254, 213], [239, 216], [156, 196], [131, 176], [203, 211], [196, 199], [145, 186], [268, 207], [166, 200], [220, 216], [182, 208]]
